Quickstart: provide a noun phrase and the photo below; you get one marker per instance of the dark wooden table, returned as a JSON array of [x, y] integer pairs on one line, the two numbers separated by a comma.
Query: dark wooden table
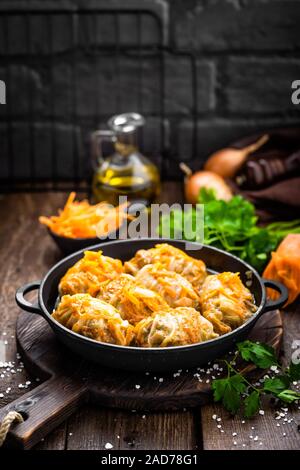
[[26, 254]]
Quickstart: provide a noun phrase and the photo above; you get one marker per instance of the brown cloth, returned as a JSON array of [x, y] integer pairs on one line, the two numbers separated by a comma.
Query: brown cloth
[[277, 196]]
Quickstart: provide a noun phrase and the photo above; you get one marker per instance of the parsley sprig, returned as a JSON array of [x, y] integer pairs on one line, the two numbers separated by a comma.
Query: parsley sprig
[[229, 225], [236, 392]]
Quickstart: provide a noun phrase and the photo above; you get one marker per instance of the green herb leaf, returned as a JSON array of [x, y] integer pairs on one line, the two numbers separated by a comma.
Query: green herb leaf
[[229, 391], [237, 382], [261, 355], [252, 404], [277, 384], [207, 195], [259, 246], [288, 396], [232, 399], [294, 371], [219, 386]]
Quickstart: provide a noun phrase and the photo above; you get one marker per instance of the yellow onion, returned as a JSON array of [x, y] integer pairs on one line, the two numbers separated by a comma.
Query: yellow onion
[[228, 161], [204, 179]]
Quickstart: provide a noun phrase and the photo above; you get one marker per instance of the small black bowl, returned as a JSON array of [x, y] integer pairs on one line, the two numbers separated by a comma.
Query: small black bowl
[[71, 245]]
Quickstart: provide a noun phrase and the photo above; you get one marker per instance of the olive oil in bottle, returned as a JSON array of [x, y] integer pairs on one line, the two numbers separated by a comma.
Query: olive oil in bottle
[[126, 172]]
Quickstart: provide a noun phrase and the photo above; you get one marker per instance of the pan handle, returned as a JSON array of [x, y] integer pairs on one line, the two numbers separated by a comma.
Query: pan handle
[[23, 303], [279, 287], [43, 409]]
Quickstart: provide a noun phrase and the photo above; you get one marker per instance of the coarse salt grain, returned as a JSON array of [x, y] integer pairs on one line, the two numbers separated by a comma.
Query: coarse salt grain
[[137, 387], [108, 445], [214, 416], [261, 412]]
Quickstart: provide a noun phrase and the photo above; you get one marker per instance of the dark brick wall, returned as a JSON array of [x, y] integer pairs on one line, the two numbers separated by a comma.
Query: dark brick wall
[[228, 67]]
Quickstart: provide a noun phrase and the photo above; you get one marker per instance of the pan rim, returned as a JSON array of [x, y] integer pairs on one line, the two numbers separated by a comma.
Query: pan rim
[[157, 350]]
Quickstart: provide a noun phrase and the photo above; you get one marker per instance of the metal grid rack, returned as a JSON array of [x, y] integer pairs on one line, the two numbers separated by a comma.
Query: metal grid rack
[[35, 123]]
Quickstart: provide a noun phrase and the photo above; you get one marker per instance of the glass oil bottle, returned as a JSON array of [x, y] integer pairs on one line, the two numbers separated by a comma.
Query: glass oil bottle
[[126, 172]]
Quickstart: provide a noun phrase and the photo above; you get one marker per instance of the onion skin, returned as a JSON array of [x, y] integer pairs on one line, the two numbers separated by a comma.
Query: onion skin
[[208, 180], [225, 163], [228, 161]]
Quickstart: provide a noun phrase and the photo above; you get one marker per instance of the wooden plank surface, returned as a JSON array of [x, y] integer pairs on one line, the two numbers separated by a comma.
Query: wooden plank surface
[[131, 430], [26, 253]]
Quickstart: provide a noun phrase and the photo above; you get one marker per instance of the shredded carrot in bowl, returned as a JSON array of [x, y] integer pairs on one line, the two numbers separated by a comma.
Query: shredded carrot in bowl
[[80, 219]]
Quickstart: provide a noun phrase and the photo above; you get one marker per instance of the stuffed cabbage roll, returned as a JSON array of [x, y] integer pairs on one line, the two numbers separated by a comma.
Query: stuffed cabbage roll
[[131, 298], [172, 287], [93, 318], [172, 259], [176, 327], [226, 302], [88, 272]]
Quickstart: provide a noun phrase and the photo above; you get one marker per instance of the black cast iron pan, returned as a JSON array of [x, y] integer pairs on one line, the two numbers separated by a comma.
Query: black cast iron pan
[[150, 359]]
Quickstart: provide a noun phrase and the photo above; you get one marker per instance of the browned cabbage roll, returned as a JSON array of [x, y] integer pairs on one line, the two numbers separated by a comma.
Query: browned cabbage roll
[[172, 259], [93, 318], [172, 287], [88, 272], [132, 300], [176, 327], [226, 302]]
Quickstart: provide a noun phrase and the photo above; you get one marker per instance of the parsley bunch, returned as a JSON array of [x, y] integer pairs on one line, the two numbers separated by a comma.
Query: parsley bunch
[[235, 392], [229, 225]]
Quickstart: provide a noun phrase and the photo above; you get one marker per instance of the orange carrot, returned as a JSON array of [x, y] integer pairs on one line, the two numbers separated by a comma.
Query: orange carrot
[[284, 266], [80, 219]]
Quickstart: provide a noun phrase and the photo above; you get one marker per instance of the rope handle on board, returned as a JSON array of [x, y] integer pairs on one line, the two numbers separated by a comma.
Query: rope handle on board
[[7, 422]]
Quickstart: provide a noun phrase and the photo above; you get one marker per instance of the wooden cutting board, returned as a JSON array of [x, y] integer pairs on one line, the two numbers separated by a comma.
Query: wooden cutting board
[[68, 381]]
